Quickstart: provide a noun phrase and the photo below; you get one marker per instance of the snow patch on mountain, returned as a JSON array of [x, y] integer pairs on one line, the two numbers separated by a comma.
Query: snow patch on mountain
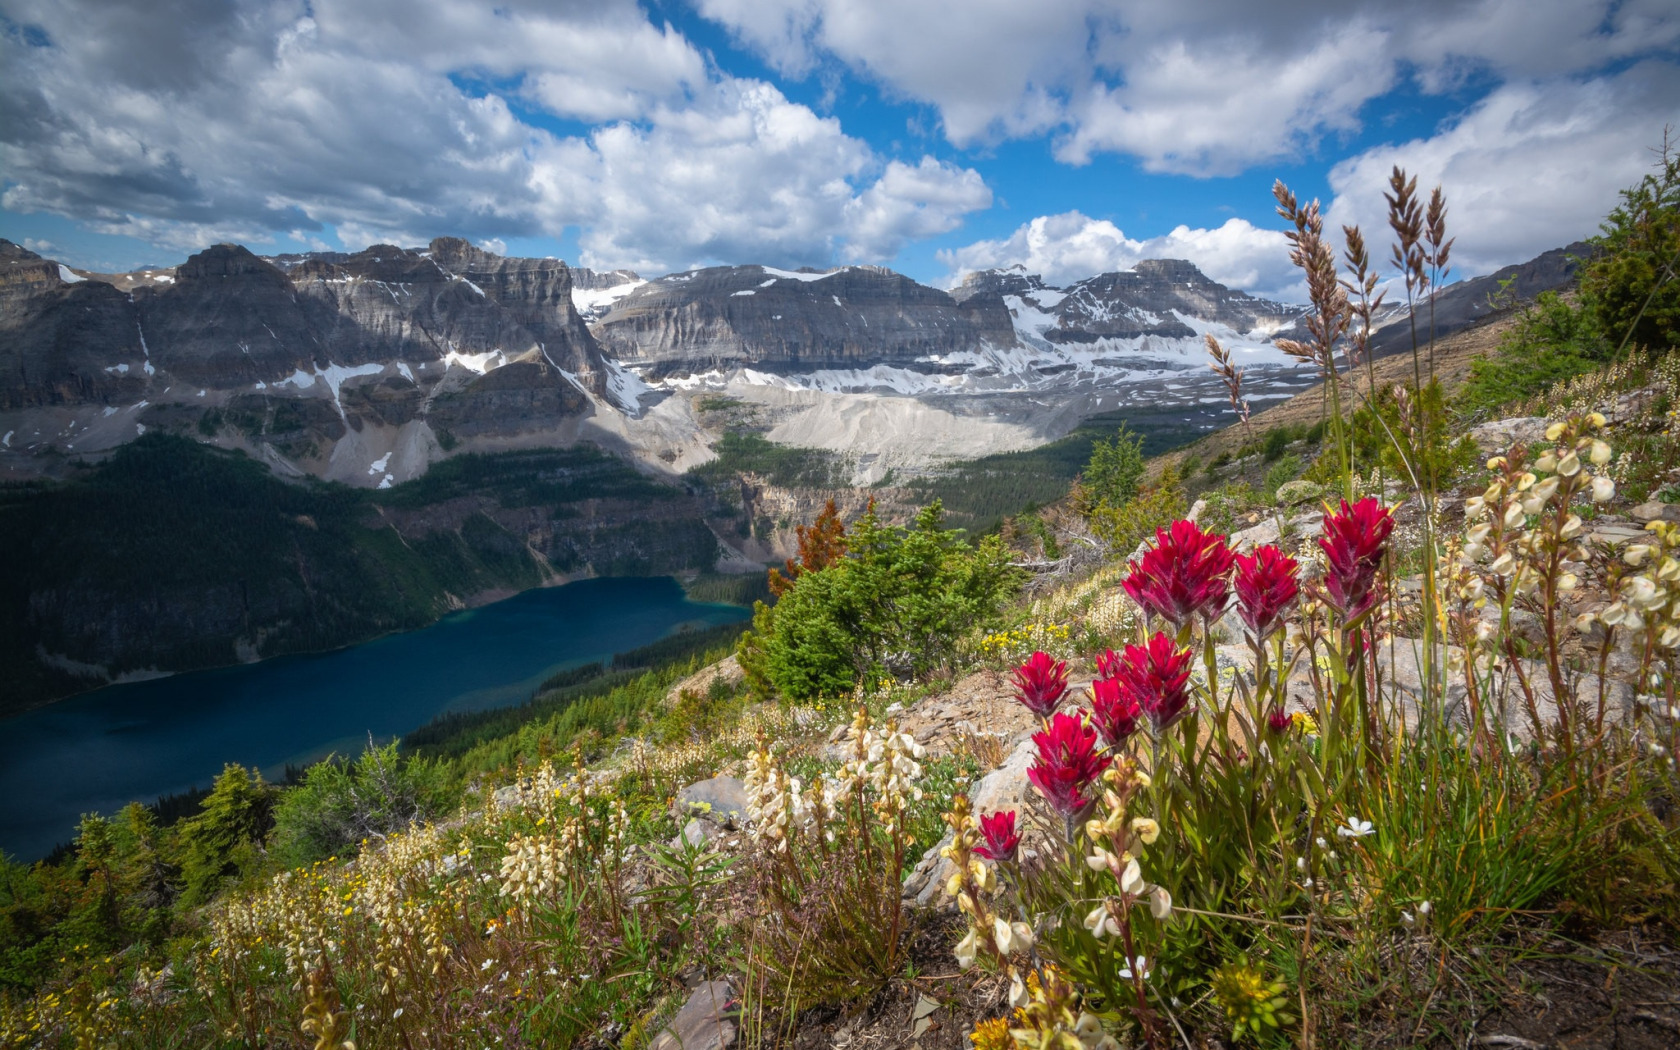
[[592, 302]]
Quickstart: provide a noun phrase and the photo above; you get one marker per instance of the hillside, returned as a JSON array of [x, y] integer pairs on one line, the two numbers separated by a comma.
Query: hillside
[[172, 555]]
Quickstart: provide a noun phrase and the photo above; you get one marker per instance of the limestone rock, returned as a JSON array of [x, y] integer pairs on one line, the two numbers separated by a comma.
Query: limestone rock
[[1245, 540], [705, 1022], [722, 800], [1497, 436], [1294, 493], [1656, 510]]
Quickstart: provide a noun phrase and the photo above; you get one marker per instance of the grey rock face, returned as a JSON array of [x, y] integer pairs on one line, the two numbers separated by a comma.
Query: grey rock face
[[63, 340], [855, 317], [1151, 299], [720, 799], [1148, 299], [302, 348], [705, 1022]]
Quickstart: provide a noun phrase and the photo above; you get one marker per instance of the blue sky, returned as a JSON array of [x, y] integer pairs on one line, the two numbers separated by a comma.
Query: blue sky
[[933, 136]]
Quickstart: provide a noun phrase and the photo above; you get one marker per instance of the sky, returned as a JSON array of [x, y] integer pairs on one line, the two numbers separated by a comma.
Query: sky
[[935, 137]]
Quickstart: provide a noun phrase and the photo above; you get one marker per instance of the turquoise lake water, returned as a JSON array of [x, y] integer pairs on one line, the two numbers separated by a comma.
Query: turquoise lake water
[[98, 751]]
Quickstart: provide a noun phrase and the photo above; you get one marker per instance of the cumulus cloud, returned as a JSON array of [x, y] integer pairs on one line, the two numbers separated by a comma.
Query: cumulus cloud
[[1196, 86], [1067, 247], [204, 120], [1532, 167]]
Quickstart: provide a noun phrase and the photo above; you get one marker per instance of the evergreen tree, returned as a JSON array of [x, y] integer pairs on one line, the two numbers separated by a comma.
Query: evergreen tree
[[1632, 284], [226, 833]]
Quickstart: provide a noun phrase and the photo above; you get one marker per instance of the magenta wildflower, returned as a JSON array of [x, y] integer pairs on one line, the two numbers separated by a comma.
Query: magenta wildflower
[[1114, 712], [1279, 721], [1182, 575], [1353, 549], [1156, 676], [1002, 840], [1266, 587], [1068, 765], [1107, 662], [1040, 683]]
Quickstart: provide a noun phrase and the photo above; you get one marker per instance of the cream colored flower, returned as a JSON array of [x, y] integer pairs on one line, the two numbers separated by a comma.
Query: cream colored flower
[[966, 949], [1131, 879]]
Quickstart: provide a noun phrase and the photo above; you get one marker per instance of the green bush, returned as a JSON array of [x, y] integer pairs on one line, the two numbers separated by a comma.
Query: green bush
[[1418, 439], [1631, 283], [1114, 470], [897, 603], [1124, 526], [1283, 471], [340, 804], [1553, 339], [221, 841]]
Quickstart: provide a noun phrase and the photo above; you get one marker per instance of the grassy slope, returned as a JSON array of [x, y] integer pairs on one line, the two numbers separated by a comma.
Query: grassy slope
[[979, 493], [1453, 356]]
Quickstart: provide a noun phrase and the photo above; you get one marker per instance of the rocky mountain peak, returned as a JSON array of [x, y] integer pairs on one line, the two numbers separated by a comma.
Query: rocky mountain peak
[[724, 317], [10, 252], [228, 260]]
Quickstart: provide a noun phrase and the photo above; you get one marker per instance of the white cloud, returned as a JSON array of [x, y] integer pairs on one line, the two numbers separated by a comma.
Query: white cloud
[[907, 203], [1530, 168], [1068, 247], [388, 121], [1194, 86]]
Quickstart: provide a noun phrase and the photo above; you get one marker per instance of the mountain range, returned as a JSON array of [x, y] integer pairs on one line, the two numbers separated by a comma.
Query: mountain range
[[368, 367]]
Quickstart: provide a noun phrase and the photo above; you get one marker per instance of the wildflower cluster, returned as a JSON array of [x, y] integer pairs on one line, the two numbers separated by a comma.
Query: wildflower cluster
[[1116, 844], [1008, 646], [1251, 1002]]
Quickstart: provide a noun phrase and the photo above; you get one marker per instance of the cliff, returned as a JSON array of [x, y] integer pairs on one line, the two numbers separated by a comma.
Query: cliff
[[783, 321]]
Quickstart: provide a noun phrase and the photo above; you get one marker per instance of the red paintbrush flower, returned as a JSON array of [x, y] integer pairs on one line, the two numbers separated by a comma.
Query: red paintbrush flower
[[1107, 661], [1279, 721], [1068, 764], [1182, 575], [1156, 677], [1353, 549], [1114, 712], [1040, 683], [1266, 587], [1002, 840]]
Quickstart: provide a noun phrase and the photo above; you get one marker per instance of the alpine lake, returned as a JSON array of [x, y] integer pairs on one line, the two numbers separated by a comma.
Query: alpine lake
[[98, 751]]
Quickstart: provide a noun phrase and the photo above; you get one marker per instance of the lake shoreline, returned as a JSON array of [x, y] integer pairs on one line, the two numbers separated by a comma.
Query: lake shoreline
[[101, 749], [479, 600]]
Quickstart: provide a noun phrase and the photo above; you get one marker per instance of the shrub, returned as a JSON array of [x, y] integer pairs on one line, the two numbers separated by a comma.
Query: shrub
[[1284, 470], [1631, 283], [221, 841], [1552, 340], [340, 804], [1116, 466], [1410, 436], [1124, 526], [896, 603]]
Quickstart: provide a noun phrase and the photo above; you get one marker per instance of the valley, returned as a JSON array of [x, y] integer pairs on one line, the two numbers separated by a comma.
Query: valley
[[237, 457]]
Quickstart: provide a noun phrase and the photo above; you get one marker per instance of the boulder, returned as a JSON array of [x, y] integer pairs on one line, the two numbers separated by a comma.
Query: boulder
[[1294, 493], [722, 800], [1656, 510], [1005, 787], [705, 1022], [1244, 541], [1497, 436]]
